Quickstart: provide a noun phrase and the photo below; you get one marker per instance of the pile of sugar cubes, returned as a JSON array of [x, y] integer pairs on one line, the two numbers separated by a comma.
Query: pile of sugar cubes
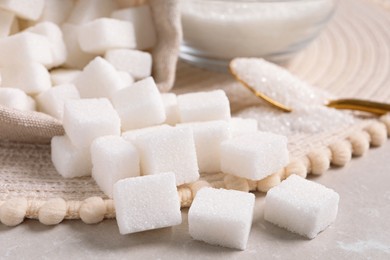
[[84, 63]]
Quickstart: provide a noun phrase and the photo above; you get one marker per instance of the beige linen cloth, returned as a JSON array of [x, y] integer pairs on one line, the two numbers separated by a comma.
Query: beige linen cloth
[[350, 59]]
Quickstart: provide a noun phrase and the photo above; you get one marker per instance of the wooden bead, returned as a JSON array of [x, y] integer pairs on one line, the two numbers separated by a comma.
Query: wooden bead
[[360, 143], [92, 210], [341, 153], [320, 161], [13, 211], [378, 134], [52, 212]]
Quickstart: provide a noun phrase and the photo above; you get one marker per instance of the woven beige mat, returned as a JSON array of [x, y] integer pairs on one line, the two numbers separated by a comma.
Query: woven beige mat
[[351, 58]]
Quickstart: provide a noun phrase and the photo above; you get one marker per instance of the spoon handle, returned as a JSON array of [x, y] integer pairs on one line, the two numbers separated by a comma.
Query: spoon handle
[[360, 105]]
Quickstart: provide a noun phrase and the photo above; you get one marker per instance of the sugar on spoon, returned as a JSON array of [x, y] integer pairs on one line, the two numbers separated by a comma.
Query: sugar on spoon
[[284, 91]]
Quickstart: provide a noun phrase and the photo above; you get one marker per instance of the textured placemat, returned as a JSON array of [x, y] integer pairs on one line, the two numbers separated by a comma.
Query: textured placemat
[[350, 59]]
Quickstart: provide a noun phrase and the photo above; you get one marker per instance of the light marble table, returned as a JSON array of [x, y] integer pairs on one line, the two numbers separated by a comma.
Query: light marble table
[[361, 230]]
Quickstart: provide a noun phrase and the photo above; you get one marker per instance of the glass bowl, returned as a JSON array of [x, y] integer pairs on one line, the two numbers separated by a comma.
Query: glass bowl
[[216, 31]]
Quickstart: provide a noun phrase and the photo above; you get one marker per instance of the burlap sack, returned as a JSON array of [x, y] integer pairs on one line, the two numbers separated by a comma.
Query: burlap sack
[[35, 127]]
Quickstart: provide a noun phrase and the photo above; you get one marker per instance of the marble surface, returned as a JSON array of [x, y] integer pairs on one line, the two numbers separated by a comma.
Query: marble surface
[[361, 230]]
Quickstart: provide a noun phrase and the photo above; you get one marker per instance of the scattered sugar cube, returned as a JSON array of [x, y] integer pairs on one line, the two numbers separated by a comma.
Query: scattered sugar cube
[[98, 79], [254, 156], [104, 34], [7, 19], [31, 77], [16, 98], [27, 9], [169, 150], [142, 20], [171, 110], [52, 100], [134, 134], [208, 137], [146, 202], [221, 217], [88, 10], [86, 119], [54, 35], [76, 58], [242, 126], [301, 206], [203, 106], [139, 105], [126, 78], [137, 63], [25, 47], [56, 11], [70, 161], [113, 159], [63, 76]]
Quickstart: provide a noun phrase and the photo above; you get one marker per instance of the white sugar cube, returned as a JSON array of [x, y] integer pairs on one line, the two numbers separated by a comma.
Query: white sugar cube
[[139, 105], [56, 11], [25, 47], [63, 76], [301, 206], [52, 100], [86, 119], [171, 110], [221, 217], [137, 63], [142, 20], [169, 150], [203, 106], [31, 77], [76, 58], [134, 134], [104, 34], [98, 79], [88, 10], [254, 156], [27, 9], [242, 126], [113, 159], [70, 161], [54, 35], [16, 98], [126, 78], [7, 20], [146, 202], [208, 137]]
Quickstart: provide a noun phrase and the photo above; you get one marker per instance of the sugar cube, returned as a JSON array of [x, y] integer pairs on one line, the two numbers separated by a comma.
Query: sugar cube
[[134, 134], [171, 110], [63, 76], [203, 106], [104, 34], [52, 100], [76, 58], [169, 150], [98, 79], [139, 105], [137, 63], [6, 21], [56, 11], [31, 77], [88, 10], [25, 47], [16, 98], [242, 126], [54, 35], [146, 202], [254, 156], [70, 161], [142, 20], [126, 78], [86, 119], [208, 137], [301, 206], [113, 159], [27, 9], [221, 217]]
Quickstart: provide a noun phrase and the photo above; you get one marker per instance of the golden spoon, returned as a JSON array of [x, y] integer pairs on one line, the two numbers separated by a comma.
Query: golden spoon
[[351, 104]]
